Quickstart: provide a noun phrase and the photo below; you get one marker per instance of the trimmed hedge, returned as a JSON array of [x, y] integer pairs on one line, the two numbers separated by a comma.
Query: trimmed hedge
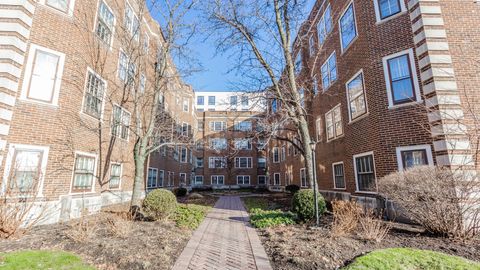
[[303, 204], [160, 204], [292, 188]]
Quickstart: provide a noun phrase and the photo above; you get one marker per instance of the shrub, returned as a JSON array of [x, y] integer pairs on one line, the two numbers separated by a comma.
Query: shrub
[[181, 192], [160, 204], [83, 229], [372, 228], [303, 204], [436, 199], [190, 216], [346, 215], [195, 196], [119, 225], [263, 219], [202, 188], [292, 188]]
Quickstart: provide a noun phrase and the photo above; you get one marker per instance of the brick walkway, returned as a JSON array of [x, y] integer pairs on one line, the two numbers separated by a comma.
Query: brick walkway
[[224, 240]]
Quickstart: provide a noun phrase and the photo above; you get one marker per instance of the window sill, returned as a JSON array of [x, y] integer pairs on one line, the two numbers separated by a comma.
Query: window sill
[[340, 189], [40, 103], [365, 115], [366, 192], [381, 21], [336, 138], [344, 50], [412, 103], [90, 117]]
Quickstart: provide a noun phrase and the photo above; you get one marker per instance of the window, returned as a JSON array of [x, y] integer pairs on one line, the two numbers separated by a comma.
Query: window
[[44, 75], [338, 175], [84, 173], [412, 156], [283, 156], [201, 100], [152, 178], [324, 26], [243, 144], [365, 172], [329, 71], [218, 143], [276, 156], [385, 9], [217, 162], [185, 105], [93, 100], [243, 126], [198, 179], [143, 82], [171, 179], [115, 175], [185, 129], [315, 85], [120, 122], [244, 101], [276, 179], [288, 177], [200, 124], [357, 105], [132, 25], [217, 125], [183, 178], [348, 27], [183, 155], [233, 101], [61, 5], [262, 180], [401, 78], [25, 170], [262, 162], [218, 179], [298, 63], [243, 162], [105, 23], [311, 45], [318, 125], [261, 143], [211, 100], [199, 162], [303, 178], [334, 125], [161, 178], [243, 179], [122, 66]]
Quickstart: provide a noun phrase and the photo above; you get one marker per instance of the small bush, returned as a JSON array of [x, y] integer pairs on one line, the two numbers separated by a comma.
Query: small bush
[[119, 225], [181, 192], [195, 196], [303, 204], [160, 204], [202, 188], [190, 216], [292, 188], [346, 215], [372, 228], [83, 229], [264, 219]]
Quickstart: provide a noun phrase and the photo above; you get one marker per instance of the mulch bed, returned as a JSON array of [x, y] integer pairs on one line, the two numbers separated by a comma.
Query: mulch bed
[[303, 247]]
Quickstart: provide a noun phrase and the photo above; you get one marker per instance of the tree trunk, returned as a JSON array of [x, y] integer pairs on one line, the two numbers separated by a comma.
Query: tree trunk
[[139, 180], [306, 140]]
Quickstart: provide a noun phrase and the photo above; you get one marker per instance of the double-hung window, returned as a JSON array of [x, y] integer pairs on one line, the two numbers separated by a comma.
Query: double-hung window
[[122, 66], [276, 179], [233, 101], [357, 105], [132, 24], [348, 27], [94, 92], [198, 179], [329, 71], [105, 23], [243, 162], [243, 126], [365, 172], [218, 179], [324, 26], [200, 100], [199, 162], [211, 100], [115, 175], [217, 162], [338, 175], [262, 180], [243, 179], [120, 122], [262, 162], [186, 105], [303, 178], [84, 173], [218, 143], [61, 5], [217, 125], [283, 153], [244, 102], [315, 85], [333, 123], [385, 9], [401, 78], [152, 177], [243, 144], [183, 154], [276, 155], [26, 170], [142, 85], [161, 178], [318, 126]]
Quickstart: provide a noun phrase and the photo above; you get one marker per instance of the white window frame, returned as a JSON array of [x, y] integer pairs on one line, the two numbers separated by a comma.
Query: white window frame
[[333, 174], [81, 153], [9, 162], [29, 71], [69, 11], [413, 71], [110, 175], [378, 14], [319, 129], [114, 26], [187, 103], [180, 178], [279, 179], [156, 177], [212, 124], [196, 182], [163, 178], [426, 147], [217, 176], [364, 96], [105, 83], [181, 155], [239, 167], [224, 146], [239, 140], [121, 124], [301, 182], [213, 159], [335, 135], [265, 181], [276, 149], [327, 63], [243, 179], [343, 50], [355, 172]]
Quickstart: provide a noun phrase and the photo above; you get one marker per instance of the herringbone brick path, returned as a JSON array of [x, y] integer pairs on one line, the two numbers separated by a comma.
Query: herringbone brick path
[[224, 240]]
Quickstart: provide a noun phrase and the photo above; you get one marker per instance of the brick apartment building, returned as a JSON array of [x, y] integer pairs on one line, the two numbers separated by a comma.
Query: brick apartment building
[[228, 153], [65, 124], [389, 85]]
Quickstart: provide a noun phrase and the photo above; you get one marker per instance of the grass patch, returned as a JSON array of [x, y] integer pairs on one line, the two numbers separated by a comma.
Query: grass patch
[[407, 258], [190, 215], [33, 260], [270, 218]]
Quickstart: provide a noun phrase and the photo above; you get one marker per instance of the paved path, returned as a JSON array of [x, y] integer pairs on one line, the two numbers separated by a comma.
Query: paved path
[[224, 240]]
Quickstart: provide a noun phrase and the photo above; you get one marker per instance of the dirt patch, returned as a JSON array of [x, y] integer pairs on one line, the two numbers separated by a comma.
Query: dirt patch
[[302, 247]]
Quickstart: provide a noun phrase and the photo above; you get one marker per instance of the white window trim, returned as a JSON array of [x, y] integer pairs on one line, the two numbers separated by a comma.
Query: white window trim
[[416, 85], [355, 172], [211, 179], [158, 178], [350, 120], [335, 130], [248, 167], [123, 110], [279, 179], [70, 7], [318, 129], [343, 50], [258, 179], [105, 83], [94, 182], [29, 71], [403, 9], [426, 147], [186, 154], [223, 161], [327, 63], [9, 162], [301, 184], [114, 23], [195, 180], [243, 139], [273, 154], [183, 105], [243, 176], [333, 173], [121, 174], [180, 177]]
